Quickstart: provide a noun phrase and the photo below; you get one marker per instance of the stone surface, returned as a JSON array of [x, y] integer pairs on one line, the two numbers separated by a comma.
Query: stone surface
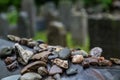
[[57, 77], [5, 51], [71, 71], [61, 63], [55, 70], [31, 76], [42, 71], [96, 52], [79, 52], [33, 66], [25, 55], [41, 56], [77, 59], [64, 53]]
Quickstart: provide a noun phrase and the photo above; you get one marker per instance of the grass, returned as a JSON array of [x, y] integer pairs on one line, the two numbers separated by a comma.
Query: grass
[[70, 43]]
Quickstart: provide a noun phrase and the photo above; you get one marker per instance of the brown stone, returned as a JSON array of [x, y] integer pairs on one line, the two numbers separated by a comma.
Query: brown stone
[[61, 63], [33, 66], [77, 59]]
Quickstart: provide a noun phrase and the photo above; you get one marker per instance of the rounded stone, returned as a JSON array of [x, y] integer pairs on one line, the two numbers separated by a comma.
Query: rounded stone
[[31, 76], [77, 59], [64, 53]]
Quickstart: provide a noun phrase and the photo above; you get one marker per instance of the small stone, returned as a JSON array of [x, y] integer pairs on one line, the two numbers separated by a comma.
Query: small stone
[[9, 60], [101, 58], [57, 77], [77, 59], [85, 64], [61, 63], [43, 46], [53, 56], [24, 54], [41, 56], [12, 66], [92, 60], [105, 63], [24, 41], [42, 71], [32, 44], [64, 53], [79, 52], [71, 71], [96, 51], [33, 66], [58, 49], [40, 42], [55, 70], [49, 78], [31, 76], [6, 51], [13, 38], [115, 60]]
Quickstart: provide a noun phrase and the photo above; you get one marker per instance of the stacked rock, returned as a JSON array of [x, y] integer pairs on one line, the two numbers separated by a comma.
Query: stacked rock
[[47, 62]]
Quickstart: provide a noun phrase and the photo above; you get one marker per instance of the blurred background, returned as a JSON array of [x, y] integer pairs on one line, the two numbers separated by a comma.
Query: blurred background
[[80, 24]]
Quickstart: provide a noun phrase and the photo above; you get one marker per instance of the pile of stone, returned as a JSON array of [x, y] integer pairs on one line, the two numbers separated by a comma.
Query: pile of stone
[[46, 62]]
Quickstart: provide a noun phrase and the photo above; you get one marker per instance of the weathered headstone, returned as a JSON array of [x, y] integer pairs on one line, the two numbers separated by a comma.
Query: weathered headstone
[[79, 24], [13, 30], [40, 23], [104, 31], [4, 26], [65, 7], [50, 13], [29, 7], [56, 34], [23, 25]]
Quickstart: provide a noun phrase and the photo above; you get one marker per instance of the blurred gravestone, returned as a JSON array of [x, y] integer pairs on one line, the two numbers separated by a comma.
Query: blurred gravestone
[[23, 25], [50, 13], [40, 23], [116, 7], [13, 30], [29, 7], [79, 25], [4, 26], [65, 7], [56, 34], [104, 31]]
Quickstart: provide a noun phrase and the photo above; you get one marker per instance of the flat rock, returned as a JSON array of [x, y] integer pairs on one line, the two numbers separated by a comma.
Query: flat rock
[[71, 71], [31, 76], [55, 70], [64, 53]]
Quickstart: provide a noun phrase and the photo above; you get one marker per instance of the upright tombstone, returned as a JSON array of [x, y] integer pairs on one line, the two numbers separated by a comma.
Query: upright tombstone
[[4, 26], [56, 34], [104, 31], [50, 13], [65, 7], [29, 7], [79, 24], [23, 25]]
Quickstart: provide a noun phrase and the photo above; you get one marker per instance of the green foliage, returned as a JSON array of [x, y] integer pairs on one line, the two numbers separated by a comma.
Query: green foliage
[[12, 17], [106, 3]]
